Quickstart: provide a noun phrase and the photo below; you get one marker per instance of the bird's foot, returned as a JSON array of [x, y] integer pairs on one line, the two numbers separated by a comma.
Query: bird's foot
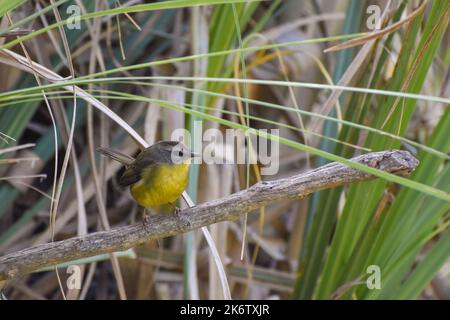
[[145, 218], [177, 210]]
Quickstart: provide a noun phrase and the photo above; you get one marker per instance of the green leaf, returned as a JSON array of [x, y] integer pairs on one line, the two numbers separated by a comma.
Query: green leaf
[[8, 5]]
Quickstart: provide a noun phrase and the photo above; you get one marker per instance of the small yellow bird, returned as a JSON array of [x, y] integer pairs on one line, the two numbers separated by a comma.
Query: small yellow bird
[[158, 175]]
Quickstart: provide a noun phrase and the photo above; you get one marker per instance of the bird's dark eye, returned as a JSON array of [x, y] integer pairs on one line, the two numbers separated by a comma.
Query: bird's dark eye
[[180, 153]]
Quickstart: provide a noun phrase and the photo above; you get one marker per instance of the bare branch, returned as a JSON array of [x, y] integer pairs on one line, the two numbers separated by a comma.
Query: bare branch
[[228, 208]]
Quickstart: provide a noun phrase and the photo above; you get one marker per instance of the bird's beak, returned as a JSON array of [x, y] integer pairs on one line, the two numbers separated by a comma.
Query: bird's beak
[[195, 154]]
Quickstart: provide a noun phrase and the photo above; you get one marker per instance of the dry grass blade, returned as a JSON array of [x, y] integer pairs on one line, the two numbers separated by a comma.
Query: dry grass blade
[[96, 55], [16, 148], [82, 225], [40, 176], [379, 33]]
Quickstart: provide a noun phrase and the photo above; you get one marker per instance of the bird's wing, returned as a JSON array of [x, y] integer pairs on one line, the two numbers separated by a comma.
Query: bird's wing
[[134, 173], [130, 176]]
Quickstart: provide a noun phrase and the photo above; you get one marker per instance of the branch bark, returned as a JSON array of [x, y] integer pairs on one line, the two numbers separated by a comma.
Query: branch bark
[[229, 208]]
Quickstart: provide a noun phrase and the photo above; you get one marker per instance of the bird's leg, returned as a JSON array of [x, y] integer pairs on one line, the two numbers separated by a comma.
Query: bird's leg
[[145, 217], [176, 209]]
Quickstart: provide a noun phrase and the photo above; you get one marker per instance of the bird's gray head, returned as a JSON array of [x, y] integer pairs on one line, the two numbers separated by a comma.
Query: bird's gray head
[[172, 152]]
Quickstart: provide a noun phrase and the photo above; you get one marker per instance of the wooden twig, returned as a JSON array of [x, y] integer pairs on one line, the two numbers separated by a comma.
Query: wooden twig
[[228, 208]]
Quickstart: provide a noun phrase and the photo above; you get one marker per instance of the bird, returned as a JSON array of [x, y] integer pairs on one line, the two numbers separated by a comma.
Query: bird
[[158, 175]]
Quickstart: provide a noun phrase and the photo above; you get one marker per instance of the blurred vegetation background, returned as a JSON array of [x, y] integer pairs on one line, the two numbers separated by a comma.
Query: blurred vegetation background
[[160, 66]]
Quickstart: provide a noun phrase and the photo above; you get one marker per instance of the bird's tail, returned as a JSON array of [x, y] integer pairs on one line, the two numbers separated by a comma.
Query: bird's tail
[[116, 155]]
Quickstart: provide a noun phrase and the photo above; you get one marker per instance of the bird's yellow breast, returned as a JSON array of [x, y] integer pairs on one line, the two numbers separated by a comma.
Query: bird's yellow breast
[[161, 184]]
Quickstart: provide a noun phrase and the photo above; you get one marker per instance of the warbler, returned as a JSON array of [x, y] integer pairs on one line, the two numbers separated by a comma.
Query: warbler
[[158, 175]]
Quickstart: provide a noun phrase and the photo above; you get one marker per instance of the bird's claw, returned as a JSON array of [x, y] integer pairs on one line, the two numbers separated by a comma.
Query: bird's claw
[[145, 219], [176, 209]]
